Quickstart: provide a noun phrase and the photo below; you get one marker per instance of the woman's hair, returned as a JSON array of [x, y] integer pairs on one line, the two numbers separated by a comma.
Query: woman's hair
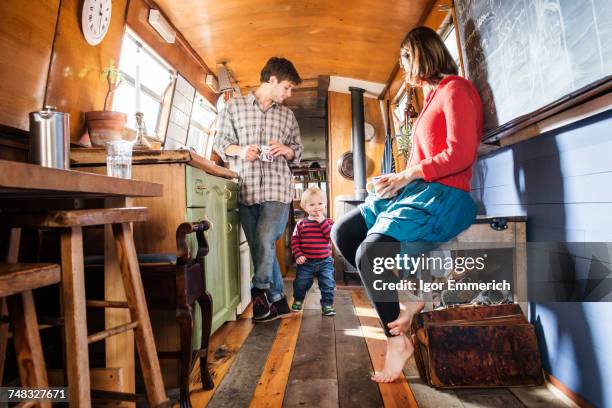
[[309, 193], [428, 57]]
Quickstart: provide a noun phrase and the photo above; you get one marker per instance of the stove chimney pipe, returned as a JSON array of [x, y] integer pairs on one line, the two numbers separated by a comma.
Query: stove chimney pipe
[[359, 162]]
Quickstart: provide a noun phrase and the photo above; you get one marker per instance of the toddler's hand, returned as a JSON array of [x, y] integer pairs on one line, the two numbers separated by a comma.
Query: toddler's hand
[[318, 217], [300, 260]]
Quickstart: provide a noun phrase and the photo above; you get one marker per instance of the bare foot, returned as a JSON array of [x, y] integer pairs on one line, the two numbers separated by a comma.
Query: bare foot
[[399, 350], [403, 322]]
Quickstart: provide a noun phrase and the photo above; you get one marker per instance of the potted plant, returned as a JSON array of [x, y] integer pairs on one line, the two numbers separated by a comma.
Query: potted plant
[[106, 125]]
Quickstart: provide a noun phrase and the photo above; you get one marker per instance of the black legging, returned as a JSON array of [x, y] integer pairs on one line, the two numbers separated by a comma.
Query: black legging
[[350, 235]]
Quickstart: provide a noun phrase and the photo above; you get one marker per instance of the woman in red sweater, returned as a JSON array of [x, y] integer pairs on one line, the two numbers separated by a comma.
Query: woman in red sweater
[[427, 203]]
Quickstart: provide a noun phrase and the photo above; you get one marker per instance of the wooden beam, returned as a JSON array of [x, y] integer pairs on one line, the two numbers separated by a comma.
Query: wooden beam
[[301, 113], [322, 87]]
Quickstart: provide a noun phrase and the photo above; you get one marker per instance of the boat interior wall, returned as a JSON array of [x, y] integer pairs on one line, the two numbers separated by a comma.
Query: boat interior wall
[[74, 84], [54, 65], [339, 138]]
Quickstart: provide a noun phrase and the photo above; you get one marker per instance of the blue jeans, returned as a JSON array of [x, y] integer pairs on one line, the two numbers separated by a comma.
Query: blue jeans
[[263, 224], [323, 269]]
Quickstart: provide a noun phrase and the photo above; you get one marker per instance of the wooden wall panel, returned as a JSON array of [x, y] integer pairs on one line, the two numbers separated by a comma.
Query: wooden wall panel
[[179, 54], [340, 122], [74, 84], [26, 37]]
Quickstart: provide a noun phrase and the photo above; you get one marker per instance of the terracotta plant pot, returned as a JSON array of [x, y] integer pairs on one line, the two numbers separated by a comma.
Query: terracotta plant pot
[[104, 126]]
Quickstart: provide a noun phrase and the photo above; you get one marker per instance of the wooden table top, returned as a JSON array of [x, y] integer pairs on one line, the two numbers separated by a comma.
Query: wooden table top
[[25, 180], [93, 156]]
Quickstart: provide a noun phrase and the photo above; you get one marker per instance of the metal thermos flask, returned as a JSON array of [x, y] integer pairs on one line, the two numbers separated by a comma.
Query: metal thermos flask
[[50, 138]]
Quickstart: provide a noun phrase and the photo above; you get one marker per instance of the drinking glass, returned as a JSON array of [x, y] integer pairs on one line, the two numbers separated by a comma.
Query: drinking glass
[[119, 159]]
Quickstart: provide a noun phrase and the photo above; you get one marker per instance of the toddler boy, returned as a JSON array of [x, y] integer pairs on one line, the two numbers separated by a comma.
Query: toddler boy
[[311, 247]]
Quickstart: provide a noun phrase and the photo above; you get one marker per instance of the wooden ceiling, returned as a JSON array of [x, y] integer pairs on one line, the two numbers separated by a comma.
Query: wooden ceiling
[[354, 38]]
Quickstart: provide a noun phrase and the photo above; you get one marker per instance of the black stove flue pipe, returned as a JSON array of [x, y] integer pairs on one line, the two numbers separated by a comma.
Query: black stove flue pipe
[[359, 160]]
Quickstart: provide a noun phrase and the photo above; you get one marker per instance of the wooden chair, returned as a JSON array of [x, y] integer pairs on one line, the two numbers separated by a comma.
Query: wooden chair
[[70, 224], [16, 284], [176, 286]]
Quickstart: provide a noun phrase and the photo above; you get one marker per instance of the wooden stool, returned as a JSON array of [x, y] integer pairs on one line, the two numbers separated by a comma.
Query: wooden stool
[[176, 287], [70, 224], [16, 284]]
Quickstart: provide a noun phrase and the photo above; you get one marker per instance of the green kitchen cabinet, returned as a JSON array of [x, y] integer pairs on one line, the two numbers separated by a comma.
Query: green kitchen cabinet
[[214, 199]]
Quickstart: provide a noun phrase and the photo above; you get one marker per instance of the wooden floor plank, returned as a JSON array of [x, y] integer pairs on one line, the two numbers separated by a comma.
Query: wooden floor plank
[[398, 393], [426, 396], [313, 298], [487, 397], [537, 397], [314, 359], [270, 389], [314, 392], [238, 385], [223, 347], [429, 397], [355, 389]]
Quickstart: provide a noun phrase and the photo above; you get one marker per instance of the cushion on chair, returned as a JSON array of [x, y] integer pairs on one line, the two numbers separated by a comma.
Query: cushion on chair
[[142, 259]]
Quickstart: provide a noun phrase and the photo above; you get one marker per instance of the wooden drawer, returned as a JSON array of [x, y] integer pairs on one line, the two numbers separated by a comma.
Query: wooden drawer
[[200, 186]]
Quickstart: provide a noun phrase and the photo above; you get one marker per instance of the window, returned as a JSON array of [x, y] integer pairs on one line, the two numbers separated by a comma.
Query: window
[[201, 128], [450, 40], [400, 108], [156, 78]]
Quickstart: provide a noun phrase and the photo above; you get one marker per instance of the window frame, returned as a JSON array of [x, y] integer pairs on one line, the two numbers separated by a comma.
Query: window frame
[[162, 99]]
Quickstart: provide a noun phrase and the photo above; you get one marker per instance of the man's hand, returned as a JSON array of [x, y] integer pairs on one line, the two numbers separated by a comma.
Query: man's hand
[[278, 149], [249, 152], [300, 260]]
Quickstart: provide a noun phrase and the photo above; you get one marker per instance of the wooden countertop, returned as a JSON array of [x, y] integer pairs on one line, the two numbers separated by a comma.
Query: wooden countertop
[[80, 157], [25, 180]]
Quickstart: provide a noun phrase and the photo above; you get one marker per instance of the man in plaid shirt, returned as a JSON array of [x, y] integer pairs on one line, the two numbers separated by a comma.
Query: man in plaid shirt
[[259, 137]]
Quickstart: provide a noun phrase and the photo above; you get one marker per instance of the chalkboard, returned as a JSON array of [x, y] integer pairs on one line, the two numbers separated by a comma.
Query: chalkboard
[[523, 55]]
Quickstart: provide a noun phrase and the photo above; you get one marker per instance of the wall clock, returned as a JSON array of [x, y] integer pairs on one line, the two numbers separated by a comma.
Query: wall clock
[[95, 20], [370, 131]]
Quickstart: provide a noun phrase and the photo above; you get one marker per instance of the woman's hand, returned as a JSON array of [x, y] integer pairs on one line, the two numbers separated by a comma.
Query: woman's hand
[[300, 260], [387, 187]]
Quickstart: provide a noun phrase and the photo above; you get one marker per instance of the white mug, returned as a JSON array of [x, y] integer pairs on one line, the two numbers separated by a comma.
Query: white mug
[[264, 153]]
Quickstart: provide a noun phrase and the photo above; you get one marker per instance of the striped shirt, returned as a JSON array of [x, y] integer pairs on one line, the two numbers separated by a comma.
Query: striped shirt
[[242, 123], [311, 239]]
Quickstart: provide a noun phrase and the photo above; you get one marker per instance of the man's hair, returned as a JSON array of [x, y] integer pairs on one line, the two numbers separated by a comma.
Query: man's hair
[[309, 193], [429, 58], [282, 69]]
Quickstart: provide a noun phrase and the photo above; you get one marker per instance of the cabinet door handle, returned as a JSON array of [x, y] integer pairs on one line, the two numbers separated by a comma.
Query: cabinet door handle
[[228, 193], [230, 227], [199, 187], [205, 218]]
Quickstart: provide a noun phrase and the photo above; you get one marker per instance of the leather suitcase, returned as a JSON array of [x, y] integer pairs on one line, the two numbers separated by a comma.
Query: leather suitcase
[[476, 346]]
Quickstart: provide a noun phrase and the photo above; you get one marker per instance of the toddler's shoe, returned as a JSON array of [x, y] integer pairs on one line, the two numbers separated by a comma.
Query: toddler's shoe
[[328, 310], [296, 306]]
